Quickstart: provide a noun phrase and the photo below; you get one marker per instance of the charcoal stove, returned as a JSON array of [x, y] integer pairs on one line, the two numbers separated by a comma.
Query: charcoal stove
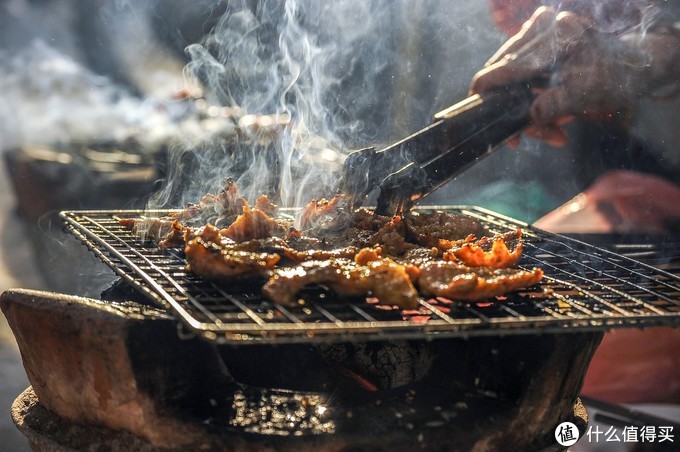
[[492, 376], [47, 179]]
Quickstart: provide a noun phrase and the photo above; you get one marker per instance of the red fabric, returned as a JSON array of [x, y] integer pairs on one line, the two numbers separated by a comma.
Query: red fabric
[[510, 15], [636, 366], [618, 201]]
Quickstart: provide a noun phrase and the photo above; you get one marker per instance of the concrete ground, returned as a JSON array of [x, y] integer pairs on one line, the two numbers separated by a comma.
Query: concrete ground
[[17, 270]]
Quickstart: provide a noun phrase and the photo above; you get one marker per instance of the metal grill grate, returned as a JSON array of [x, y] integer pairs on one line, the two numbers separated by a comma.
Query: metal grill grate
[[584, 289]]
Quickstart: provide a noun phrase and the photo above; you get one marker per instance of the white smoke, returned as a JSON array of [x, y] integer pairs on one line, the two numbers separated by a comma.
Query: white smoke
[[347, 73], [286, 59], [329, 77], [49, 98]]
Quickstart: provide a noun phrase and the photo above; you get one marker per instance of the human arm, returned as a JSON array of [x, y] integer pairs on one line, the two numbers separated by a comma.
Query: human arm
[[591, 72]]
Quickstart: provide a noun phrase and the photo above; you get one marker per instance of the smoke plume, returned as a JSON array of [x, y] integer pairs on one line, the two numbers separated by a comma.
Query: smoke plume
[[341, 75]]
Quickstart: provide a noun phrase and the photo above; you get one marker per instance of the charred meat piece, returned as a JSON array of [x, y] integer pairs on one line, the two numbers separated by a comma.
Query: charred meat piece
[[253, 224], [221, 208], [392, 238], [264, 204], [420, 255], [384, 279], [152, 229], [499, 255], [459, 282], [391, 284], [244, 224], [214, 257], [353, 253], [294, 255], [302, 242], [165, 232], [366, 255], [416, 258], [360, 232], [325, 216], [430, 229], [367, 220], [285, 250], [174, 238]]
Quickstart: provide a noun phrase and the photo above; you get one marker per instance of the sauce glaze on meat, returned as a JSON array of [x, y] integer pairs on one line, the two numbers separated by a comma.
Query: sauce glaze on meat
[[352, 253]]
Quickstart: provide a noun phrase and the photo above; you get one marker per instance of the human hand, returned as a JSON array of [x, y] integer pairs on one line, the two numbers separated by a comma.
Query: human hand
[[592, 73]]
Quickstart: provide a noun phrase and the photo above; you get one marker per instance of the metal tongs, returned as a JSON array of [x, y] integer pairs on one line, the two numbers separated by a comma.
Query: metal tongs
[[460, 136]]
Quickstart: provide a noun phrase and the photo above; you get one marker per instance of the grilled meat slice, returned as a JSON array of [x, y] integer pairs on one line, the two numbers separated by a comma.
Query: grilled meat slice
[[253, 224], [430, 229], [165, 232], [244, 223], [499, 256], [264, 204], [391, 284], [174, 238], [383, 278], [414, 260], [215, 257], [437, 252], [285, 250], [324, 216], [360, 232], [153, 229], [367, 255], [294, 255], [399, 235], [222, 208], [459, 282], [392, 238], [301, 242]]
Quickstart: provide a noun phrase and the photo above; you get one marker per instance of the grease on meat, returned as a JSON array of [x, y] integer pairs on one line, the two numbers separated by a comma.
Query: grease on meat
[[353, 253], [459, 282], [214, 257], [384, 279], [473, 253]]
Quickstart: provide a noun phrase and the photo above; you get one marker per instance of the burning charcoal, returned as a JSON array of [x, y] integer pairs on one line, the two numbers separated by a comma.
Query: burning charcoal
[[383, 365]]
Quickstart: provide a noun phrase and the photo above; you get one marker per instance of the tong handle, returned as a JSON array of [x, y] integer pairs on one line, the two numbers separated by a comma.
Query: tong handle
[[461, 136]]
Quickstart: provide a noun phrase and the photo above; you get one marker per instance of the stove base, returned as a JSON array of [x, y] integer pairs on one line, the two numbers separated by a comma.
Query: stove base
[[123, 366], [47, 431]]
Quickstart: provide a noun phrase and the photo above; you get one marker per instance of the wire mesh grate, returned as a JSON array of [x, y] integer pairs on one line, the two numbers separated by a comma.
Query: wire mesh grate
[[585, 288]]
